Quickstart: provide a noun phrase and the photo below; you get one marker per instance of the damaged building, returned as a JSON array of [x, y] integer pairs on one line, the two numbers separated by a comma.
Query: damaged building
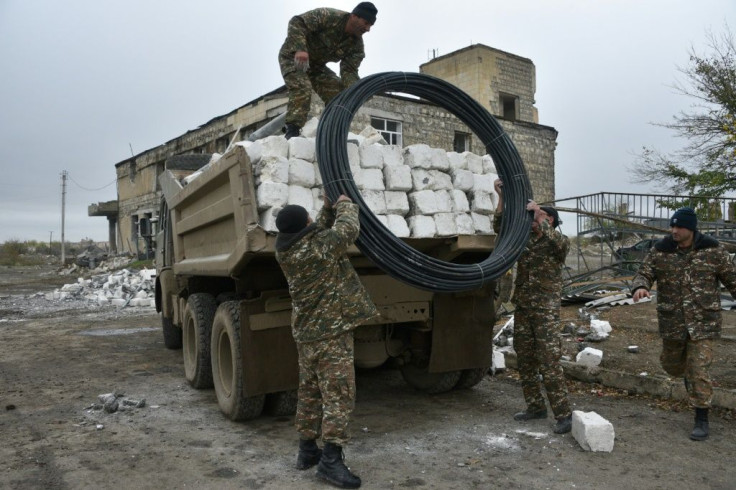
[[504, 83]]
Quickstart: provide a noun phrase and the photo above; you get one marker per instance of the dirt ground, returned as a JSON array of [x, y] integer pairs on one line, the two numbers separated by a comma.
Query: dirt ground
[[56, 358]]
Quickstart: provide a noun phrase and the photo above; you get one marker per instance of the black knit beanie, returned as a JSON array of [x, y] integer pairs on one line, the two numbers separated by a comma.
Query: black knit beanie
[[552, 212], [292, 219], [367, 11], [685, 218]]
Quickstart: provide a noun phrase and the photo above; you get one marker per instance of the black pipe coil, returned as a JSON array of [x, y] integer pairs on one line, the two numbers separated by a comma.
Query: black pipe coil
[[390, 253]]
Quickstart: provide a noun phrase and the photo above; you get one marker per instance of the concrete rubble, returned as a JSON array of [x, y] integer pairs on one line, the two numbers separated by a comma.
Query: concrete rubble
[[593, 432]]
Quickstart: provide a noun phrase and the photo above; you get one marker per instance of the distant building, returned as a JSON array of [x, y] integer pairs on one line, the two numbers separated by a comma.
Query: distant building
[[502, 82]]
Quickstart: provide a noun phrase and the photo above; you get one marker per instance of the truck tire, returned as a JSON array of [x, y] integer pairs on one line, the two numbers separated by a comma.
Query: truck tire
[[197, 330], [431, 383], [470, 378], [191, 161], [227, 366], [172, 333], [281, 403]]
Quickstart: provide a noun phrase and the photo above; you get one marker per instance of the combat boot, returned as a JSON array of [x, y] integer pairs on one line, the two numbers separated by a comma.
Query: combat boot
[[700, 432], [291, 130], [309, 454], [563, 425], [531, 415], [333, 470]]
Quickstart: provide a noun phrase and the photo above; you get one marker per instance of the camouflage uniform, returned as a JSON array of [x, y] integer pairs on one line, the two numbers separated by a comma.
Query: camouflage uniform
[[688, 306], [537, 339], [321, 33], [328, 302]]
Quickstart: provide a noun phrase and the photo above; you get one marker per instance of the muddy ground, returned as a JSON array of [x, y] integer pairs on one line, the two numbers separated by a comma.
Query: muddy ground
[[56, 358]]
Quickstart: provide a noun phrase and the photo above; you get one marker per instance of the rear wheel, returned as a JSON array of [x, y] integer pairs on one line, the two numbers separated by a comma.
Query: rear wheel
[[281, 403], [172, 333], [198, 316], [227, 366], [431, 383], [470, 378]]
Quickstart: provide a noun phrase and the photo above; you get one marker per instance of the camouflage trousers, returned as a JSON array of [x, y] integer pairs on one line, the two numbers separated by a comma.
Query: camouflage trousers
[[326, 388], [537, 343], [690, 359], [300, 85]]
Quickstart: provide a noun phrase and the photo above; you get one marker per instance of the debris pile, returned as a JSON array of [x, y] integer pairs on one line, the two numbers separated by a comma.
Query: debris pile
[[121, 288], [114, 402]]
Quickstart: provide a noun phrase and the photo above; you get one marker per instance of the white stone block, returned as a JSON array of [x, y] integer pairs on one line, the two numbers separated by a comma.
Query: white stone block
[[272, 169], [439, 160], [134, 302], [498, 362], [375, 200], [440, 180], [317, 175], [423, 203], [418, 156], [118, 302], [301, 172], [371, 156], [589, 357], [462, 179], [317, 199], [397, 203], [275, 146], [272, 194], [301, 148], [371, 136], [372, 179], [474, 162], [310, 128], [444, 201], [141, 294], [397, 225], [397, 178], [254, 150], [464, 224], [601, 327], [482, 223], [488, 166], [392, 155], [457, 161], [482, 203], [355, 139], [267, 219], [422, 226], [483, 183], [353, 155], [445, 224], [421, 179], [102, 299], [459, 201], [593, 432], [301, 196], [383, 219]]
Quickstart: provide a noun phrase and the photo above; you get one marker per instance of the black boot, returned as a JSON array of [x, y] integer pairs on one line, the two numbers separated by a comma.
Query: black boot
[[309, 454], [531, 414], [291, 130], [563, 425], [332, 468], [700, 432]]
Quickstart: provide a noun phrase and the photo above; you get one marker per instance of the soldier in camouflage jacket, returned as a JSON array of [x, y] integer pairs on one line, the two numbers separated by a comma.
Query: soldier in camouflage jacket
[[315, 38], [328, 302], [688, 268], [537, 332]]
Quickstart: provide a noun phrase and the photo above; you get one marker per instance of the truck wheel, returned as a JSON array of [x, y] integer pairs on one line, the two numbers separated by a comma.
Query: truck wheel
[[470, 378], [198, 316], [431, 383], [172, 333], [281, 403], [227, 366]]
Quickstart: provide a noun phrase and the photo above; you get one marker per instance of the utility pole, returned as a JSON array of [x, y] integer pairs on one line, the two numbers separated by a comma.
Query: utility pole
[[64, 174], [51, 236]]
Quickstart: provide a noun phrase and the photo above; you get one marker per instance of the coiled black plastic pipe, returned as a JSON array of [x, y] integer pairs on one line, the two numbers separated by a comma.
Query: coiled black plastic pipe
[[390, 253]]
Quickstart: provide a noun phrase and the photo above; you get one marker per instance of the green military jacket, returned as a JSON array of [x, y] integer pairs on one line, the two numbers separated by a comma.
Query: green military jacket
[[321, 33], [326, 294], [688, 289], [539, 268]]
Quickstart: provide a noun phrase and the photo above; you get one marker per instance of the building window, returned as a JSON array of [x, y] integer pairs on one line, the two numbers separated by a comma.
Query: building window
[[509, 105], [461, 142], [390, 130]]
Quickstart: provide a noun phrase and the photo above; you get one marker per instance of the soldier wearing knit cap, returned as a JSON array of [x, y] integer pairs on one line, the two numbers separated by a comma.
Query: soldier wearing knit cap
[[688, 268], [314, 39]]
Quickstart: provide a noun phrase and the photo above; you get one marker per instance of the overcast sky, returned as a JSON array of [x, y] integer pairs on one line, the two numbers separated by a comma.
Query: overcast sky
[[84, 81]]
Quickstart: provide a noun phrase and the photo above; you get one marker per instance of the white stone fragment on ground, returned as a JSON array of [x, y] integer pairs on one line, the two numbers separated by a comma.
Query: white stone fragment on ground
[[272, 194], [589, 357], [275, 146], [372, 179], [418, 156], [474, 163], [301, 172], [464, 224], [301, 197], [482, 223], [397, 225], [272, 169], [392, 155], [375, 201], [459, 201], [397, 203], [423, 203], [422, 226], [601, 327], [593, 432], [371, 156], [301, 148], [398, 178], [445, 223], [499, 361], [118, 302]]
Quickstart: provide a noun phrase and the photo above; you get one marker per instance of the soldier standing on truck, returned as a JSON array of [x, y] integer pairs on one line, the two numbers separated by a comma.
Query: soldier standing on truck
[[688, 267], [328, 303], [313, 39], [537, 339]]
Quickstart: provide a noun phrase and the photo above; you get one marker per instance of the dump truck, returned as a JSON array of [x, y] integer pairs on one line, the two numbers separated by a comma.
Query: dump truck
[[225, 302]]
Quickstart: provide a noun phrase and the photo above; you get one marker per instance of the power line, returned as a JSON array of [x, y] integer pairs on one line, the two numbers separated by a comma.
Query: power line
[[87, 189]]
